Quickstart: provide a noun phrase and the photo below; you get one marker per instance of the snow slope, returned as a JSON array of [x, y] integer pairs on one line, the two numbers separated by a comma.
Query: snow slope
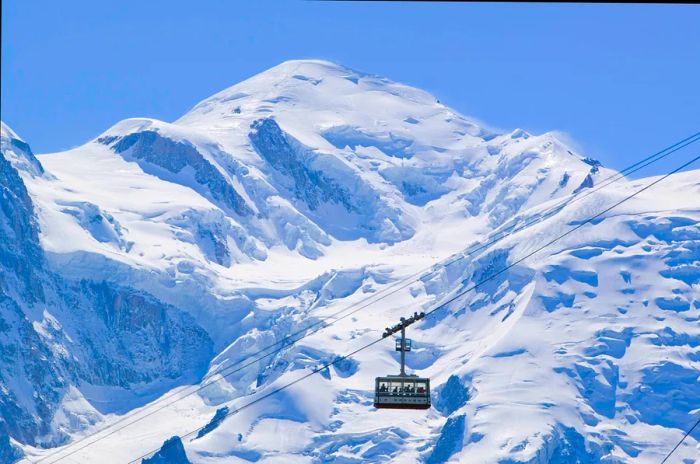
[[310, 187]]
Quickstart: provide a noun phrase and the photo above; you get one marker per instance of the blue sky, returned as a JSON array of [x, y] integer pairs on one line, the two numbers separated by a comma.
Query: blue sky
[[621, 80]]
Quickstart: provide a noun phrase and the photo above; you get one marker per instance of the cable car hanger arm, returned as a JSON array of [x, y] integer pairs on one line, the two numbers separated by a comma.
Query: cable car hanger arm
[[403, 324]]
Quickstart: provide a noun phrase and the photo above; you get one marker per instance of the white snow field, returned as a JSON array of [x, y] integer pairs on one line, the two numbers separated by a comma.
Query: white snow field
[[159, 254]]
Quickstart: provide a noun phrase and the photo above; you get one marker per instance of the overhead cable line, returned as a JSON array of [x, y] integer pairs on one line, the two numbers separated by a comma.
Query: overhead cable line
[[394, 288], [439, 306], [680, 442]]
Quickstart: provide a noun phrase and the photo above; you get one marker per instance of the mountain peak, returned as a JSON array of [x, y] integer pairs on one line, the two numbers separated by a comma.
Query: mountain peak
[[6, 131], [18, 152], [312, 64], [292, 72], [315, 90], [161, 255]]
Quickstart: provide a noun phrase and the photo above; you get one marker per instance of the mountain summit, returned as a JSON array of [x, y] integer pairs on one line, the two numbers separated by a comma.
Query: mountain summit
[[160, 253]]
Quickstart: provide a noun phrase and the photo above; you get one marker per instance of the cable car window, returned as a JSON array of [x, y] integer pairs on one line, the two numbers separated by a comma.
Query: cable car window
[[383, 387], [395, 388], [407, 344], [421, 388], [409, 387]]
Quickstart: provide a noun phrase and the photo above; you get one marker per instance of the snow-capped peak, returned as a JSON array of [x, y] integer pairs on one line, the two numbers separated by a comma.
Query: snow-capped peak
[[18, 152], [163, 250]]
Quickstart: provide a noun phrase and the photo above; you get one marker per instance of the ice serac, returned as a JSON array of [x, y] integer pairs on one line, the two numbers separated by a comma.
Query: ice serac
[[451, 396], [627, 323], [172, 452], [160, 253], [450, 441]]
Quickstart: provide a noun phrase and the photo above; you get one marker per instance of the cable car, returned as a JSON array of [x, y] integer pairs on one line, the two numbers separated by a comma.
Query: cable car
[[402, 391]]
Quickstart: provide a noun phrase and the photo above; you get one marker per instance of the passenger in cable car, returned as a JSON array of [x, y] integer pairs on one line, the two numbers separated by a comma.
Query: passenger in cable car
[[383, 388]]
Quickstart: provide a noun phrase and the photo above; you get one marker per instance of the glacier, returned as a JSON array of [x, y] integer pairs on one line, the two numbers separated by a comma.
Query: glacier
[[139, 268]]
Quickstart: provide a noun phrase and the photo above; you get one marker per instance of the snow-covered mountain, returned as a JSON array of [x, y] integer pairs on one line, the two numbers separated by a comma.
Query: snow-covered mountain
[[138, 262]]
